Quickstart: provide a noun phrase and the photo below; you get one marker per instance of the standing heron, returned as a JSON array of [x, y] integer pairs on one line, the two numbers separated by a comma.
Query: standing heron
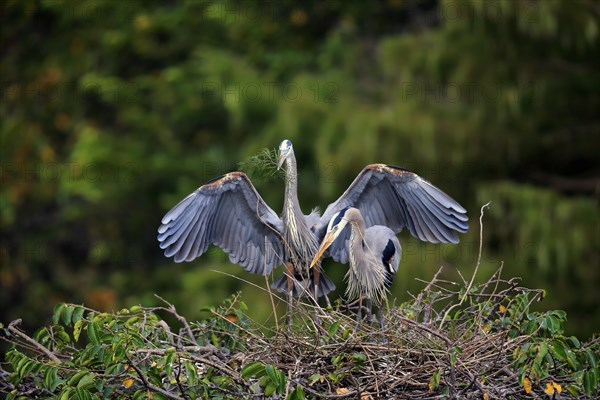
[[374, 255], [228, 212]]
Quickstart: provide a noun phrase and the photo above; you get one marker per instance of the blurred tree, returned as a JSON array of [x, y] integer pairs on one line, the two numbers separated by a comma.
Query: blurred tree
[[112, 111]]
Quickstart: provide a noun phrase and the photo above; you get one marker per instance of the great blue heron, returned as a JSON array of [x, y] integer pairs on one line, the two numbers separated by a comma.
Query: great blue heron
[[374, 255], [228, 212]]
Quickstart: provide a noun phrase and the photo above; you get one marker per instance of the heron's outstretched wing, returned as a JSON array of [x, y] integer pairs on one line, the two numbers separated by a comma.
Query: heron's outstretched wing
[[227, 212], [395, 197]]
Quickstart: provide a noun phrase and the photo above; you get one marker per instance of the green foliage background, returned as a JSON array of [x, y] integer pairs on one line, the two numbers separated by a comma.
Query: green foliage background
[[112, 111]]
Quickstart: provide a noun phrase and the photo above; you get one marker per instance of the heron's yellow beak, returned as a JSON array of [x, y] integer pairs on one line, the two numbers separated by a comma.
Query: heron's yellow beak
[[329, 238]]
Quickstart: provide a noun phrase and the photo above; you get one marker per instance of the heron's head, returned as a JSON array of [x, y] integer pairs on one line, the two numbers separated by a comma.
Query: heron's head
[[285, 150], [336, 225]]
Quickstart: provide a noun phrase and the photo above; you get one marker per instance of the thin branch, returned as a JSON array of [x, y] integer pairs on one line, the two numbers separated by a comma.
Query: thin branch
[[468, 289], [181, 319], [12, 329], [480, 251]]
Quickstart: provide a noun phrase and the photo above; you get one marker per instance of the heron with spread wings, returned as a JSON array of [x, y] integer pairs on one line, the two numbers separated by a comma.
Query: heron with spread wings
[[228, 212]]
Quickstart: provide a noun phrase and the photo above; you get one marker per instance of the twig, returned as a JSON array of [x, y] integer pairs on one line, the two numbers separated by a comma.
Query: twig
[[181, 319], [480, 251], [476, 267], [12, 329]]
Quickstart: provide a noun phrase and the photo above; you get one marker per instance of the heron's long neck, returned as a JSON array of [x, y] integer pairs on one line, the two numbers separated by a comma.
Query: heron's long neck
[[365, 276], [301, 240], [290, 202], [356, 250]]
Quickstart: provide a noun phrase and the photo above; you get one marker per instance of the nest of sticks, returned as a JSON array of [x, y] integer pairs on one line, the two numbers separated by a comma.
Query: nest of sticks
[[451, 340]]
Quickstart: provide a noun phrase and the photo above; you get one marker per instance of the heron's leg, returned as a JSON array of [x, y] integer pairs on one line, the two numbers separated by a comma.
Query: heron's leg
[[359, 312], [354, 305], [327, 301], [351, 305], [380, 311], [316, 279], [290, 284], [369, 310]]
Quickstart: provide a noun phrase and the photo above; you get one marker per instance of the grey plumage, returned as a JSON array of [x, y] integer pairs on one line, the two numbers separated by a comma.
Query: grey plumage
[[229, 213], [395, 197]]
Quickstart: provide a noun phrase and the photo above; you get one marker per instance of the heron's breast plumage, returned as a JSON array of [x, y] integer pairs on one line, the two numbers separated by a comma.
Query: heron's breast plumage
[[301, 242]]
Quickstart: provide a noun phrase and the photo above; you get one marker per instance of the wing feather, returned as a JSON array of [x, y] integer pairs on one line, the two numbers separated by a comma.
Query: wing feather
[[443, 233], [190, 240], [433, 219], [397, 198], [180, 235], [227, 212]]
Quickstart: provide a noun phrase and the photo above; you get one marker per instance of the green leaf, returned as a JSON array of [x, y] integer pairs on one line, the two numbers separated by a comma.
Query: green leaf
[[264, 381], [66, 393], [558, 350], [434, 381], [77, 329], [132, 320], [135, 309], [537, 372], [270, 389], [51, 378], [83, 394], [590, 382], [542, 351], [87, 381], [575, 342], [67, 314], [254, 369], [56, 315], [93, 333], [169, 361], [215, 340], [314, 378], [333, 328], [296, 394], [22, 366], [572, 361], [346, 333], [591, 358], [452, 358], [63, 335], [359, 357], [74, 380], [42, 335], [191, 372], [29, 367], [336, 377], [573, 390], [282, 379], [272, 373]]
